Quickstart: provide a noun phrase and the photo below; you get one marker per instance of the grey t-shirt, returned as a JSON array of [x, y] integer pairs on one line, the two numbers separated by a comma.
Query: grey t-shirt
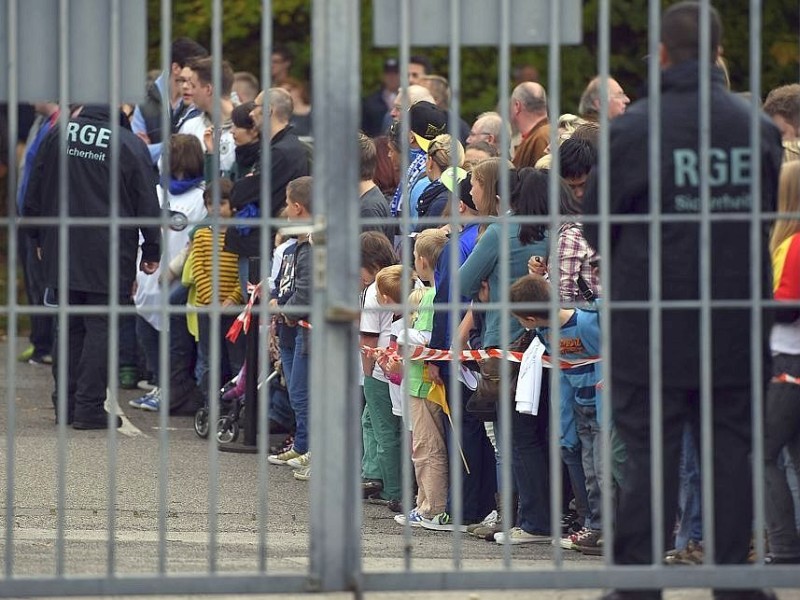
[[374, 205]]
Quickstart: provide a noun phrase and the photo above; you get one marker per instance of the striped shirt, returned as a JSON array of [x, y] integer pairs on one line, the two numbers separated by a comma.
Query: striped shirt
[[202, 274]]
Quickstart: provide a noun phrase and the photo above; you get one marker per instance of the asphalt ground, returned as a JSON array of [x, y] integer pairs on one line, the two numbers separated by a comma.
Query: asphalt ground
[[136, 551]]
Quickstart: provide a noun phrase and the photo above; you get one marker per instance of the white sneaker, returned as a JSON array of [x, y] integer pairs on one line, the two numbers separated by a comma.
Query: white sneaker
[[303, 474], [300, 462], [517, 536]]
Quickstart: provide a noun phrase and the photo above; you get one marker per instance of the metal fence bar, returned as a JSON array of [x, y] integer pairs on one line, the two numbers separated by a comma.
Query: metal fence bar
[[656, 381], [63, 310], [706, 388], [113, 285], [335, 504], [554, 261], [264, 314], [163, 340], [756, 312], [13, 233]]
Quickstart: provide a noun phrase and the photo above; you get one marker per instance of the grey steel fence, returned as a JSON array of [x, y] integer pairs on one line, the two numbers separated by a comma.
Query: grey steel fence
[[71, 51]]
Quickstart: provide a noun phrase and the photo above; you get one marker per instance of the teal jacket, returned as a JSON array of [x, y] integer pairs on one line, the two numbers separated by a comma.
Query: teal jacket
[[484, 265]]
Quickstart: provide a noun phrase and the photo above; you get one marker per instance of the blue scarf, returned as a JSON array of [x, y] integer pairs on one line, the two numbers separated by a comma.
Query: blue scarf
[[181, 186], [248, 211], [417, 166]]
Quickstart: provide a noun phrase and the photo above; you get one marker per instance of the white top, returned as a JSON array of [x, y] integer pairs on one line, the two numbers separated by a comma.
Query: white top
[[374, 319], [186, 211]]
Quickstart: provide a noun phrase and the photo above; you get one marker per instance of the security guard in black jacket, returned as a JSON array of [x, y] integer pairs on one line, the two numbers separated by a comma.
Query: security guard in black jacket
[[88, 148], [730, 176]]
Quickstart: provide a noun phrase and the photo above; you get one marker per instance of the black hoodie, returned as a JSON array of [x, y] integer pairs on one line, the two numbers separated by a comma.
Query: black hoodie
[[729, 248], [88, 148]]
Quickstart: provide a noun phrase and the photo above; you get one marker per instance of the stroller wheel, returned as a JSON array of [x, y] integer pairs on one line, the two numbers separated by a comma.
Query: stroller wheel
[[227, 430], [201, 422]]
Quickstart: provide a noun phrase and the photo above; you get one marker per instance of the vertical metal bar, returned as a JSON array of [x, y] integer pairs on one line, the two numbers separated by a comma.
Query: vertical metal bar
[[63, 281], [505, 415], [214, 316], [604, 229], [115, 70], [263, 314], [756, 250], [163, 340], [335, 508], [456, 476], [656, 380], [406, 258], [11, 367], [706, 389], [554, 209]]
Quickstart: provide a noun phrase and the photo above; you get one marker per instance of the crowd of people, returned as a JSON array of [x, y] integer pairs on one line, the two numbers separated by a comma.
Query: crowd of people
[[201, 259]]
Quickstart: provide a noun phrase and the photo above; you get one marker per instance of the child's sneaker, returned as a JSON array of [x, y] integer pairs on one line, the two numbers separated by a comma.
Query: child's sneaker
[[590, 542], [284, 457], [150, 401], [568, 541], [517, 536], [442, 522], [285, 445], [488, 521], [570, 523], [300, 462], [303, 474], [414, 518]]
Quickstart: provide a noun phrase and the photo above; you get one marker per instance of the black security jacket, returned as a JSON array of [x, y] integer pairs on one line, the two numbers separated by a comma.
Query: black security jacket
[[88, 147], [728, 248]]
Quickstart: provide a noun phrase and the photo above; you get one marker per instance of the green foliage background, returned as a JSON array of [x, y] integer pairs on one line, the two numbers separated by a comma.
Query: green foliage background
[[241, 33]]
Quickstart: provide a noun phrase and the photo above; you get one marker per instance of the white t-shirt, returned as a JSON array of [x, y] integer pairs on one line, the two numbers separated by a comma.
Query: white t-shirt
[[196, 126], [186, 211], [374, 319]]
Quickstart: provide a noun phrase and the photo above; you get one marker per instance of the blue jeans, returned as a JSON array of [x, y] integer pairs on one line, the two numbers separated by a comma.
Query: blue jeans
[[530, 458], [591, 456], [690, 499], [295, 360], [147, 336], [479, 486], [577, 480]]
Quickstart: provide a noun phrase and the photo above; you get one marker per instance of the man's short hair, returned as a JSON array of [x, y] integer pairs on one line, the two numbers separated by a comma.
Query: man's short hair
[[280, 101], [588, 132], [439, 88], [429, 244], [184, 50], [577, 158], [491, 122], [590, 99], [680, 32], [530, 288], [525, 94], [419, 59], [204, 69], [784, 101], [369, 157], [299, 190], [250, 80]]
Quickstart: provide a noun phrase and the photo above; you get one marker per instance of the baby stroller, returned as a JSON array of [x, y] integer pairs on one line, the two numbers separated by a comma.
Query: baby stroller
[[232, 408]]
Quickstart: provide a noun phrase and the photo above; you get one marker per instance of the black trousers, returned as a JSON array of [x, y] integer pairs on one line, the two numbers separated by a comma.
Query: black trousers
[[87, 359], [733, 503]]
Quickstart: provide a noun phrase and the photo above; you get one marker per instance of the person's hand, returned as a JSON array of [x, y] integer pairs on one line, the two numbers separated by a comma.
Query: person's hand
[[391, 365], [273, 303], [537, 266], [433, 372], [144, 137], [483, 293], [208, 139], [148, 267], [228, 302]]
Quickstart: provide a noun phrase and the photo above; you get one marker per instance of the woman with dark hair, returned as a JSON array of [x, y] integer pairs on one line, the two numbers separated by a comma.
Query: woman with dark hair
[[247, 138]]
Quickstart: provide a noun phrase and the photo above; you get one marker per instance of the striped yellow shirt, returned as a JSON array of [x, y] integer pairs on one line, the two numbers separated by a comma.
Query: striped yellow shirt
[[202, 273]]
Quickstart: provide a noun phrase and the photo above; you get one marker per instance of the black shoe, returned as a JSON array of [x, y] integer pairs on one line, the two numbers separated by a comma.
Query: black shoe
[[395, 506], [744, 595], [632, 595], [94, 424], [371, 486], [771, 559]]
